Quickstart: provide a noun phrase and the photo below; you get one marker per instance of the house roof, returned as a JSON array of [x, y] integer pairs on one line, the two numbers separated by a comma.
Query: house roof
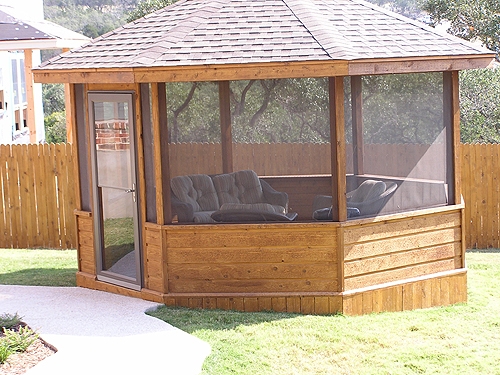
[[194, 33], [17, 34]]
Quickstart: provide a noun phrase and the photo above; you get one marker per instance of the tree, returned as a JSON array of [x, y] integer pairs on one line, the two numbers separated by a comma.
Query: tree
[[470, 20], [408, 8], [146, 7], [477, 20], [480, 106], [53, 98], [55, 127]]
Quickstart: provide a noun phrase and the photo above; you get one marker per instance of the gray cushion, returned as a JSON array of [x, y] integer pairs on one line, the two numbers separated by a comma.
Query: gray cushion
[[239, 187], [203, 217], [368, 190], [197, 190]]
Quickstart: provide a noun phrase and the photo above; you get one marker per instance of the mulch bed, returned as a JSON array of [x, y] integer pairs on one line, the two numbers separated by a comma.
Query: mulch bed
[[19, 363]]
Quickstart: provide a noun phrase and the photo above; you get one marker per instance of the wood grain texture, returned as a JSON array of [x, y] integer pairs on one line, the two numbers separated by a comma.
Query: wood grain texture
[[251, 258]]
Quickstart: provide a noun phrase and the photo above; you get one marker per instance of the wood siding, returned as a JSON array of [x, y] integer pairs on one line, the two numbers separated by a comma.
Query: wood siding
[[86, 252], [279, 258], [393, 263], [378, 253], [155, 274]]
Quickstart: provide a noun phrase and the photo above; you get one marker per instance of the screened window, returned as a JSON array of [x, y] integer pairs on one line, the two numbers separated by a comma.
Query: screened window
[[397, 138]]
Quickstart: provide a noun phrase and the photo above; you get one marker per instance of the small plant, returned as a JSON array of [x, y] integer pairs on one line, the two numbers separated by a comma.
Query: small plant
[[7, 321], [5, 351], [19, 341]]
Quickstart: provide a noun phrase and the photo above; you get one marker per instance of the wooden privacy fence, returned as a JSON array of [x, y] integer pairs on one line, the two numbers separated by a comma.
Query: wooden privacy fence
[[37, 196], [278, 159], [37, 184], [480, 179]]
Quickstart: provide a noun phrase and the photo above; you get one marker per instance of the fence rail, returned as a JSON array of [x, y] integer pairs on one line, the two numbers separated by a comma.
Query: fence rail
[[37, 185]]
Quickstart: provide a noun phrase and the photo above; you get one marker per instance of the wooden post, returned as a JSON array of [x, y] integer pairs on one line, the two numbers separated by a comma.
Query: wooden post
[[357, 125], [225, 127], [161, 153], [139, 145], [30, 96], [337, 136], [74, 141], [70, 124], [451, 118]]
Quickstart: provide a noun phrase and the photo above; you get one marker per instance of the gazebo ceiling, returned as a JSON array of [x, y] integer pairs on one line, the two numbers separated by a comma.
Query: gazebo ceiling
[[17, 34], [240, 39]]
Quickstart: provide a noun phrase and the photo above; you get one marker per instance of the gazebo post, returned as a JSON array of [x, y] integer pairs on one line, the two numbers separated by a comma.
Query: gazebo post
[[337, 136], [357, 125], [69, 109], [451, 118], [161, 153], [225, 127]]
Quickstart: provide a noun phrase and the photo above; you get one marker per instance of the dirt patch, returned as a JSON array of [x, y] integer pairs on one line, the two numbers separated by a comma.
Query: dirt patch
[[19, 363]]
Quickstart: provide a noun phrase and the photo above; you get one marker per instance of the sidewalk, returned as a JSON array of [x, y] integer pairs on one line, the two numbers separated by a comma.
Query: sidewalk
[[101, 333]]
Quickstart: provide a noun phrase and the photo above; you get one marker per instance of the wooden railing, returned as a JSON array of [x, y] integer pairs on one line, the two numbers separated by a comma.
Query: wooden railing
[[37, 184]]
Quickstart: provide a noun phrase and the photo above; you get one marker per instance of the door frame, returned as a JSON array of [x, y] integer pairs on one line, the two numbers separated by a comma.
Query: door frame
[[97, 207]]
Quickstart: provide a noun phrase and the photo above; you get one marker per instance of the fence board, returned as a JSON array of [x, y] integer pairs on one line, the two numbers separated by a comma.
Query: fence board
[[4, 199], [482, 196], [14, 206], [41, 197], [37, 196]]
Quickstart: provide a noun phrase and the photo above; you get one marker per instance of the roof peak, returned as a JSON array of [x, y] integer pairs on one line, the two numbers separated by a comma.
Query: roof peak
[[208, 32]]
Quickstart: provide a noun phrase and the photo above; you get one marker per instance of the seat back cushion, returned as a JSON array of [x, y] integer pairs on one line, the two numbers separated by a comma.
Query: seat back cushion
[[239, 187], [368, 190], [197, 190]]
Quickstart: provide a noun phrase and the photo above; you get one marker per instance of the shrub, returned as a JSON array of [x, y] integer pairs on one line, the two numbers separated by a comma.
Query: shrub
[[5, 351], [19, 341], [7, 321]]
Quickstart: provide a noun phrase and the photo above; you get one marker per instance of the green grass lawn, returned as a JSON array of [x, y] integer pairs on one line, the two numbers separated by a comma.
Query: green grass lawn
[[38, 267], [459, 339]]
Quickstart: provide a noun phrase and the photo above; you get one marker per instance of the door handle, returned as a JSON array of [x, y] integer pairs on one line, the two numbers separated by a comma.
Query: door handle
[[132, 191]]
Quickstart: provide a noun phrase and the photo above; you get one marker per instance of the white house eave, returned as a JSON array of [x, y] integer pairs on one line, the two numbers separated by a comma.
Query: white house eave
[[16, 45]]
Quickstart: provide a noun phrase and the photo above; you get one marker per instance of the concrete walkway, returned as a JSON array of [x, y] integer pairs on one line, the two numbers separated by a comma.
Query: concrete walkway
[[101, 333]]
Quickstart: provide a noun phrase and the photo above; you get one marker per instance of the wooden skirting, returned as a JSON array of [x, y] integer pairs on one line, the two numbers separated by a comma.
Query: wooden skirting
[[441, 289]]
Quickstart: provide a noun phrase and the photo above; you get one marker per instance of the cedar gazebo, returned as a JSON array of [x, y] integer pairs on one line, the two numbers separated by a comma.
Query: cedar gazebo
[[330, 103]]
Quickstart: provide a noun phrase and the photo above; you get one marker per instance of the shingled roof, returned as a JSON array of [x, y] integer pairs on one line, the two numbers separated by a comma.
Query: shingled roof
[[18, 34], [208, 32]]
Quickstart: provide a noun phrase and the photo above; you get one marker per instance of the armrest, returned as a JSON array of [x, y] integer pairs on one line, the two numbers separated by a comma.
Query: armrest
[[274, 197], [184, 211]]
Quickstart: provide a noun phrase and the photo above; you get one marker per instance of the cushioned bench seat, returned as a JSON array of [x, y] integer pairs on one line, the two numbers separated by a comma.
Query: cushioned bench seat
[[197, 198]]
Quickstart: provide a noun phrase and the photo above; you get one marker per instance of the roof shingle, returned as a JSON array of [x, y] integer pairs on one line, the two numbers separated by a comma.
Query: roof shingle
[[198, 32]]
